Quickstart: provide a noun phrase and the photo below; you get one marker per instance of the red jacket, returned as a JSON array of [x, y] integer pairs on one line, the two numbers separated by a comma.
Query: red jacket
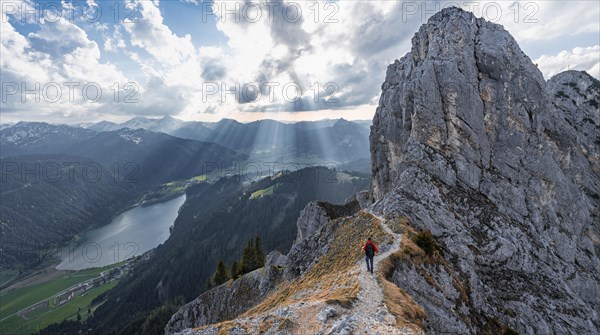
[[364, 248]]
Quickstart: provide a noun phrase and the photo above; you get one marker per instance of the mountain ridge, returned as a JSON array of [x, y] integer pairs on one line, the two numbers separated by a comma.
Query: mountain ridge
[[150, 157], [337, 140], [495, 171]]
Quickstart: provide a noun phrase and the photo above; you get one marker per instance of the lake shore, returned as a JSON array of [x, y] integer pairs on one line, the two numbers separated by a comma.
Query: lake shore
[[131, 233]]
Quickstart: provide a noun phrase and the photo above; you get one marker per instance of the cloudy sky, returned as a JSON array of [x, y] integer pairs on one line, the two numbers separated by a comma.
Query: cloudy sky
[[82, 61]]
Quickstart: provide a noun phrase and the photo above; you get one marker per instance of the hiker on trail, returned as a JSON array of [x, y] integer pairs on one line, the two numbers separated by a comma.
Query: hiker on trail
[[369, 249]]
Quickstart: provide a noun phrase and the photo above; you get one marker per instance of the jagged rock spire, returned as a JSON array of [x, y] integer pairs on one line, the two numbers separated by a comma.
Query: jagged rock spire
[[470, 142]]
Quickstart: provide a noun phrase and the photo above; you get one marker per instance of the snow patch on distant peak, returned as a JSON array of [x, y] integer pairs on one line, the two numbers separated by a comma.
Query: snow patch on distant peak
[[131, 138]]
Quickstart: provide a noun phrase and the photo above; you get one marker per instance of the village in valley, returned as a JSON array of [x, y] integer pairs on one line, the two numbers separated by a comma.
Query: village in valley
[[79, 300]]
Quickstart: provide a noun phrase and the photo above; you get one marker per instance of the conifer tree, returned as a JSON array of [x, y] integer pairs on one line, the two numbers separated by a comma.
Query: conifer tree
[[248, 257], [221, 275], [235, 270], [208, 284], [260, 254]]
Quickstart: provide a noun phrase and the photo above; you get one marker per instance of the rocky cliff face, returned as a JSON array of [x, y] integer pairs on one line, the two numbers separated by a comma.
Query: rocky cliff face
[[471, 143], [229, 300], [311, 218]]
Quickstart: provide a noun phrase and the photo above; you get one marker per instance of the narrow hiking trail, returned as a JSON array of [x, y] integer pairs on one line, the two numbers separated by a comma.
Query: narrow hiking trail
[[369, 313]]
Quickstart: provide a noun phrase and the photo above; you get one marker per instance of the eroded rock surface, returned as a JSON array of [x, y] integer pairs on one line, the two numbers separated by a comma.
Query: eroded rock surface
[[469, 141]]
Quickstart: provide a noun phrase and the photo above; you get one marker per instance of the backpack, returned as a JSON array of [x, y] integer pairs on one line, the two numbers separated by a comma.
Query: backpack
[[370, 250]]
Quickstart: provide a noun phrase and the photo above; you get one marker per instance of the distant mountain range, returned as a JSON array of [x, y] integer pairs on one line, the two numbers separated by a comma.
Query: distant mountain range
[[143, 156], [140, 139], [328, 140]]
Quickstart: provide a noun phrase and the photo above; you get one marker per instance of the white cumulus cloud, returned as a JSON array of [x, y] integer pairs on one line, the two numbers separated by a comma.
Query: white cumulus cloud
[[581, 58]]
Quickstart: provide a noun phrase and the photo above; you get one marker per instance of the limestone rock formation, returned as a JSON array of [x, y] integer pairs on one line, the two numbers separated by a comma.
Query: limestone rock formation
[[220, 303], [311, 218], [229, 300], [471, 143], [363, 198]]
